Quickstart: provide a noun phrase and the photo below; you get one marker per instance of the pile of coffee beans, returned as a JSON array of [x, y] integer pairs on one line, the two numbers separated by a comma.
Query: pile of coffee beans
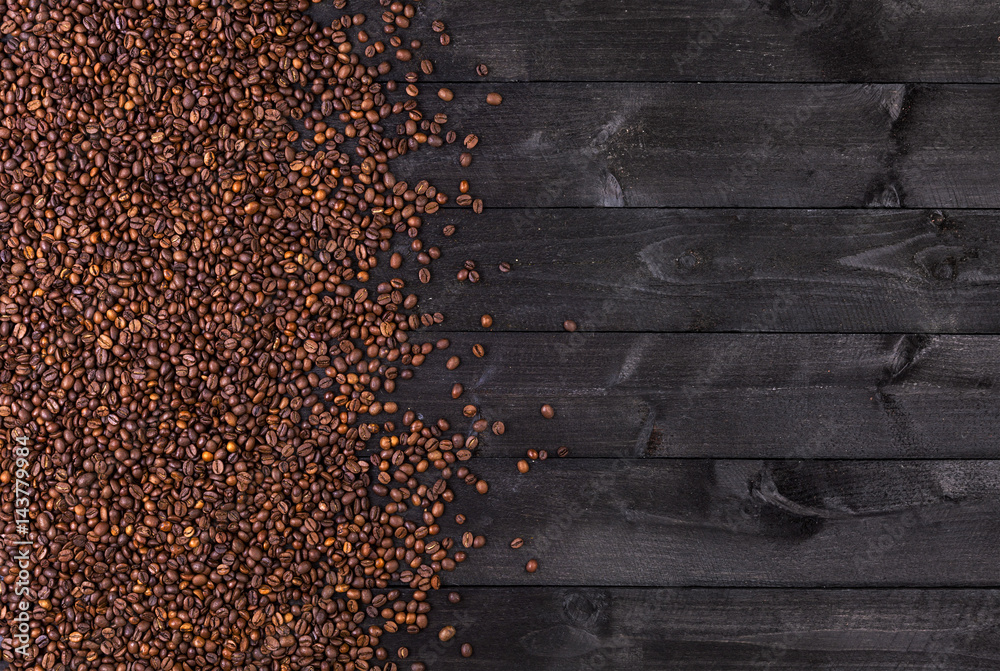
[[199, 340]]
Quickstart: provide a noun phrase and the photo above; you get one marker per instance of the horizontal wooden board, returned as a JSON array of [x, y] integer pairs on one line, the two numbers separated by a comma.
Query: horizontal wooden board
[[712, 40], [722, 145], [573, 628], [613, 269], [714, 523], [722, 395]]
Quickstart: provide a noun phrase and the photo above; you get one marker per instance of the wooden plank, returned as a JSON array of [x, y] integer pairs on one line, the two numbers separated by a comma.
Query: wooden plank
[[567, 629], [713, 40], [612, 269], [722, 395], [671, 145], [634, 522], [723, 145]]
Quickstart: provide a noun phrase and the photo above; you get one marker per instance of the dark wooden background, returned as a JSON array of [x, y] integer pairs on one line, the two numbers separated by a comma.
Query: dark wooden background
[[777, 224]]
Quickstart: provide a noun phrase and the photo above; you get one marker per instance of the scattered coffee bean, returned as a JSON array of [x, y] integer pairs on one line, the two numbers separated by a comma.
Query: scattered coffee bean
[[486, 321], [548, 412], [494, 98], [531, 566], [499, 428], [466, 650], [452, 363], [446, 94], [563, 451], [517, 543], [456, 390], [482, 70], [569, 325], [447, 633], [478, 350], [522, 466]]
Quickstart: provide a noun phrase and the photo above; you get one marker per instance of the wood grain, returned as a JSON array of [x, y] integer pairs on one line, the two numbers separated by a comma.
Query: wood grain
[[635, 522], [572, 628], [723, 145], [722, 395], [713, 40], [619, 269]]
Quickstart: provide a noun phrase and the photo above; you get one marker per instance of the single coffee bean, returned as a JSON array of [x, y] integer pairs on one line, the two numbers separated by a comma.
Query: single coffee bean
[[467, 539], [542, 455], [522, 466], [403, 653], [548, 412], [480, 425], [446, 94], [448, 231], [482, 487], [460, 519], [569, 325], [504, 267], [482, 70], [486, 321], [456, 390], [477, 206], [465, 159], [494, 98], [424, 275], [563, 451], [471, 141], [447, 633], [532, 453], [426, 66], [517, 543], [478, 350], [452, 363], [499, 428], [454, 597], [470, 410], [466, 650], [531, 566]]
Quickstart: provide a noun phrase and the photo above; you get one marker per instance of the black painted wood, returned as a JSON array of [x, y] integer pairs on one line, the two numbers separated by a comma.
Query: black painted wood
[[721, 40], [722, 395], [720, 270], [624, 522], [723, 145], [572, 628]]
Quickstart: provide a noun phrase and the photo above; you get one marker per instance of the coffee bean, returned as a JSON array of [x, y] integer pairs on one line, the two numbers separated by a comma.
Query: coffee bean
[[569, 325], [478, 350], [445, 94], [466, 650], [465, 159], [456, 390], [542, 455], [467, 539], [424, 275], [499, 428], [459, 519], [494, 98], [532, 453], [504, 267], [531, 566], [517, 543], [454, 597], [403, 653], [482, 487], [563, 451], [452, 363], [486, 321], [482, 70], [471, 140], [522, 466], [426, 67], [477, 206]]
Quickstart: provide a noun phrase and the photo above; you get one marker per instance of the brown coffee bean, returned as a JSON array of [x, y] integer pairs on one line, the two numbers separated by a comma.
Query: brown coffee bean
[[467, 539], [504, 267], [465, 159], [454, 597], [486, 321], [403, 653], [569, 325], [494, 98], [459, 519], [478, 350], [424, 275], [548, 412], [471, 140], [446, 633], [477, 206], [531, 566], [499, 428], [452, 363], [466, 650], [445, 94], [532, 453], [482, 70], [563, 451], [517, 543], [456, 390], [542, 455], [426, 67], [482, 487], [470, 410]]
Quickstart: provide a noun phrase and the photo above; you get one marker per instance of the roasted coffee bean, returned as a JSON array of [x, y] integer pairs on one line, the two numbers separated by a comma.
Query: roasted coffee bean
[[446, 633], [569, 325], [471, 140], [499, 428], [494, 98], [563, 451], [517, 543], [466, 650], [478, 350], [452, 363], [456, 390], [522, 466], [548, 412], [482, 70], [465, 159], [531, 566], [486, 321], [504, 267], [446, 94]]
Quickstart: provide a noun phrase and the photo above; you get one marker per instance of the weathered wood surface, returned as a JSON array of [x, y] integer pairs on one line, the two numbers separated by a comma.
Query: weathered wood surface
[[573, 628], [722, 395], [720, 40], [714, 523], [723, 145], [901, 271]]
